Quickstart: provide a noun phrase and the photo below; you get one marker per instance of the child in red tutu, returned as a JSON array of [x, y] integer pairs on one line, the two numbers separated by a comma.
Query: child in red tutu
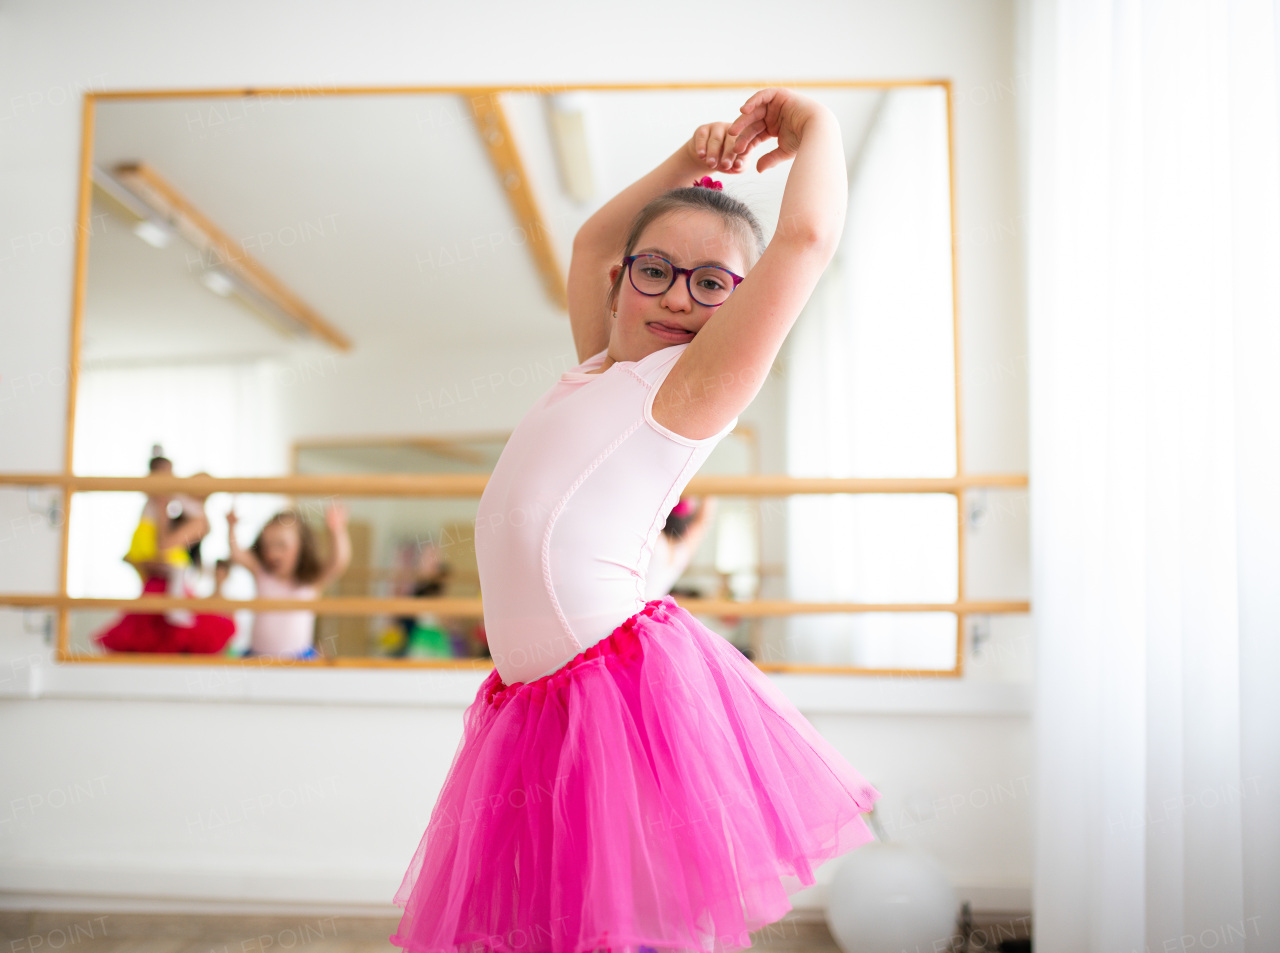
[[627, 780], [165, 546]]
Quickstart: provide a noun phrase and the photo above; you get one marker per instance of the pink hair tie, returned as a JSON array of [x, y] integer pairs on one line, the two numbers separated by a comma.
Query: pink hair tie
[[707, 182], [683, 508]]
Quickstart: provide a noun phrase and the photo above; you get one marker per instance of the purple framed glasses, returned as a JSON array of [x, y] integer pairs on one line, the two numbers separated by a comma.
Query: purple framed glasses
[[654, 275]]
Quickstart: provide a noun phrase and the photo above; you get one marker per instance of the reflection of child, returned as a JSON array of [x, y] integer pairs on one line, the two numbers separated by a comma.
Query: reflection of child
[[425, 635], [156, 507], [285, 565], [164, 546], [145, 554], [676, 544]]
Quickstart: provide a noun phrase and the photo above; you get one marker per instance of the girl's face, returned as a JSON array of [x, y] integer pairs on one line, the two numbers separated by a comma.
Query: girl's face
[[648, 323], [280, 545]]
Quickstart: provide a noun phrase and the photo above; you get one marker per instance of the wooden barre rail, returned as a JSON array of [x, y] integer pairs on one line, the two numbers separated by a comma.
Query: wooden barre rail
[[471, 607], [473, 484], [484, 663]]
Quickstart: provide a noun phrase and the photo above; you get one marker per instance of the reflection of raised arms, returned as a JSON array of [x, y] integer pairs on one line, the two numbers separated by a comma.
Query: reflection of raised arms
[[682, 549], [671, 557], [737, 345], [161, 542], [598, 243], [340, 545], [241, 557], [185, 531]]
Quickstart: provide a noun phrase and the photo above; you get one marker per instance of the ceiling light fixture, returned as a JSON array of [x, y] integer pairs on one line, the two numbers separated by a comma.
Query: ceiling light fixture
[[160, 209], [153, 233], [227, 283], [146, 224], [217, 282]]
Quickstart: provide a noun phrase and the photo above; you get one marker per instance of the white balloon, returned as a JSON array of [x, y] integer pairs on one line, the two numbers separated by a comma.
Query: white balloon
[[890, 898]]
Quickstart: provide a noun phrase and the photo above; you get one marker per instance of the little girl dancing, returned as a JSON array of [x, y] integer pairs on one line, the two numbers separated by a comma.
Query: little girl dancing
[[285, 565], [627, 779], [165, 547]]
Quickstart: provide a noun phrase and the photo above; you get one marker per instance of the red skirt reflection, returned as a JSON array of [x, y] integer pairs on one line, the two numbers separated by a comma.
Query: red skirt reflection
[[153, 632]]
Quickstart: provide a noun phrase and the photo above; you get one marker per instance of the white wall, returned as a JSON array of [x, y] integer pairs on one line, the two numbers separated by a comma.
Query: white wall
[[134, 787]]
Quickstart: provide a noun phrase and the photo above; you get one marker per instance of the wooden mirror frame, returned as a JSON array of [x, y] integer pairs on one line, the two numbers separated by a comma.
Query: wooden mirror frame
[[483, 99]]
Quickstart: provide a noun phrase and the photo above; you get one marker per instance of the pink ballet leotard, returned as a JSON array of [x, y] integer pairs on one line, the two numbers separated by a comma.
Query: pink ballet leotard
[[567, 523], [283, 632], [626, 778]]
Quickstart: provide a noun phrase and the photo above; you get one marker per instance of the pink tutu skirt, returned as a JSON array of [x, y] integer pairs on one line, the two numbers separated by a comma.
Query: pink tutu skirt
[[657, 791]]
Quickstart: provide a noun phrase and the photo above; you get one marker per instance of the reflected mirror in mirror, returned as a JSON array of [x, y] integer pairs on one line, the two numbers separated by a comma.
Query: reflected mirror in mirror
[[344, 284]]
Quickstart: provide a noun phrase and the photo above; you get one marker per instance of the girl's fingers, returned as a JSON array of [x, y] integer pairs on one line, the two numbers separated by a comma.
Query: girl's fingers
[[747, 120], [725, 146], [759, 102], [714, 142], [739, 124], [744, 132], [766, 115], [751, 143], [770, 159], [751, 134], [728, 151], [755, 99], [700, 140]]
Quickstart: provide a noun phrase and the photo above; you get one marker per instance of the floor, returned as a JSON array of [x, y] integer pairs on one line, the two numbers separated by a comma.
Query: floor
[[48, 932], [801, 931]]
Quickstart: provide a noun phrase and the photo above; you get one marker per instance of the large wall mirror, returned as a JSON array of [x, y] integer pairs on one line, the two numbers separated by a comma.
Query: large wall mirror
[[326, 309]]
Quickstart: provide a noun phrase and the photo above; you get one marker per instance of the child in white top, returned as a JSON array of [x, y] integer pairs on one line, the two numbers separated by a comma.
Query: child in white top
[[285, 565]]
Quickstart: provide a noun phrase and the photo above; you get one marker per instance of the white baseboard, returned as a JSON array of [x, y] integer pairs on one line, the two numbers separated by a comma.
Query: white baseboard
[[291, 892], [36, 677]]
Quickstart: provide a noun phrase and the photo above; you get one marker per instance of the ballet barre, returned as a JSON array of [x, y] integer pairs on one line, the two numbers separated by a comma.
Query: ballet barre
[[473, 484], [470, 607]]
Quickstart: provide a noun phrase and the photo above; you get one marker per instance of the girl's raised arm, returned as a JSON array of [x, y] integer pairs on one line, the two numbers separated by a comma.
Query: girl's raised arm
[[724, 366], [241, 557], [598, 243], [185, 534], [340, 548]]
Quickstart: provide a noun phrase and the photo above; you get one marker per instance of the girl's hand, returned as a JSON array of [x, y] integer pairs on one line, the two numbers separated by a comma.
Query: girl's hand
[[239, 556], [429, 559], [773, 113], [340, 555], [336, 517], [714, 147]]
